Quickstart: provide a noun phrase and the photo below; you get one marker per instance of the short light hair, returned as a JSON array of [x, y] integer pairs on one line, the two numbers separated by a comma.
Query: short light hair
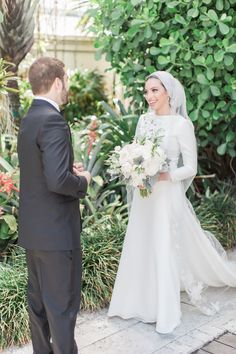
[[43, 72]]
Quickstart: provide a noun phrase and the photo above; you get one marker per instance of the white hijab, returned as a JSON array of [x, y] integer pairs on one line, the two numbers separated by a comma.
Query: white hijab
[[177, 102], [175, 91]]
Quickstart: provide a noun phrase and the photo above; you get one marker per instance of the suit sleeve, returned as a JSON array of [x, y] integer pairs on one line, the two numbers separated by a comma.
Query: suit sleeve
[[188, 149], [54, 143]]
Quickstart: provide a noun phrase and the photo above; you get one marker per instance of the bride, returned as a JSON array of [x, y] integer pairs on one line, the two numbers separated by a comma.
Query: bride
[[165, 249]]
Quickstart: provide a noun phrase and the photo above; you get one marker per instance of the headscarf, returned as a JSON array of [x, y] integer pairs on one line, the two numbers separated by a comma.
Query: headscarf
[[175, 91], [177, 103]]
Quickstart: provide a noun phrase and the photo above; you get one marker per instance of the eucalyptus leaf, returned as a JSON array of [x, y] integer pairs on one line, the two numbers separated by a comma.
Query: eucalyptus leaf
[[228, 60], [172, 4], [116, 44], [212, 15], [231, 48], [215, 90], [212, 32], [194, 12], [133, 31], [201, 78], [224, 29], [163, 60], [222, 149], [219, 55], [136, 2], [219, 5], [154, 51]]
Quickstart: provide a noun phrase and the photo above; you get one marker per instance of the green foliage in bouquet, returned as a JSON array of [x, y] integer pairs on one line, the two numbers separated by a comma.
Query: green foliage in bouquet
[[86, 92], [195, 40]]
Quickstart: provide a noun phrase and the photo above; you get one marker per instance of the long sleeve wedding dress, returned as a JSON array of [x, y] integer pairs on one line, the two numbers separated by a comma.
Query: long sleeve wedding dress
[[165, 249]]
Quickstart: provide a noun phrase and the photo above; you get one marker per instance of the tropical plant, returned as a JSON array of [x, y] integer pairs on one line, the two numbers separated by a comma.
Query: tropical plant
[[26, 97], [6, 123], [9, 204], [93, 140], [195, 40], [16, 37], [86, 92], [97, 137]]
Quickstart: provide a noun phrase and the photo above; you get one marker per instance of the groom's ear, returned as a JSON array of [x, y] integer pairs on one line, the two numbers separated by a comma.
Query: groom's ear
[[57, 84]]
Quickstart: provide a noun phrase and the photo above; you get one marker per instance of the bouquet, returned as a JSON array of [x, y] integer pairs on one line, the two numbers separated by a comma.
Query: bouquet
[[137, 163]]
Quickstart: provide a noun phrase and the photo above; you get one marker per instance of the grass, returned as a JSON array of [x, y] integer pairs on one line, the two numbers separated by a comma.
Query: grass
[[14, 327]]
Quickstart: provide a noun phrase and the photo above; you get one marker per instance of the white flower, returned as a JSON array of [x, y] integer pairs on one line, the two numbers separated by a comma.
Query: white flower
[[137, 179], [126, 169], [138, 161], [117, 149], [151, 166]]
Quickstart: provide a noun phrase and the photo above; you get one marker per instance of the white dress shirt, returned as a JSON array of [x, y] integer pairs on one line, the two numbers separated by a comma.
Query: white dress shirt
[[48, 100]]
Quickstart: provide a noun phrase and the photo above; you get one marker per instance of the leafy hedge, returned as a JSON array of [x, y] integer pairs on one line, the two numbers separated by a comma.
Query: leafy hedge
[[195, 40]]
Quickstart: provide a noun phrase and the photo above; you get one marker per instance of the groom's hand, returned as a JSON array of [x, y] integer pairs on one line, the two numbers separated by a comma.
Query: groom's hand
[[85, 174], [78, 166]]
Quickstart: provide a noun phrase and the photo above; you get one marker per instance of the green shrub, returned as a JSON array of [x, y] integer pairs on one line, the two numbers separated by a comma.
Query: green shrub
[[86, 92], [9, 204], [101, 245], [195, 40], [217, 214]]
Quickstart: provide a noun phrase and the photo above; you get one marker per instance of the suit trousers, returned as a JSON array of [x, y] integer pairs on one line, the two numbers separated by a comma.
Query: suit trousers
[[54, 287]]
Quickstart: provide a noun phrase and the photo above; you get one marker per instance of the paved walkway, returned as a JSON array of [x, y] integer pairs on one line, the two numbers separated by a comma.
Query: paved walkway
[[224, 344], [97, 334]]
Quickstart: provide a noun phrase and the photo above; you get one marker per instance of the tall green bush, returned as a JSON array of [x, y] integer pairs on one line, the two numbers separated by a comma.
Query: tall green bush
[[87, 90], [195, 40]]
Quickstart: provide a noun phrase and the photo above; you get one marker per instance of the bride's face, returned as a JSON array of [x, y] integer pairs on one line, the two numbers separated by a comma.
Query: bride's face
[[156, 95]]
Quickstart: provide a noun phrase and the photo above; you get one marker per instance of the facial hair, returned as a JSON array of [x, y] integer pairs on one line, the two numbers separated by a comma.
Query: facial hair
[[64, 95]]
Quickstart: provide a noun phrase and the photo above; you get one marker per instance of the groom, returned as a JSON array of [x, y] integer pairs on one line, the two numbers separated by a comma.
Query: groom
[[49, 217]]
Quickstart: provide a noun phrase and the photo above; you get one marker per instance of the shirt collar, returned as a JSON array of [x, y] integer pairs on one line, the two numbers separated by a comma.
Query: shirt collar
[[49, 101]]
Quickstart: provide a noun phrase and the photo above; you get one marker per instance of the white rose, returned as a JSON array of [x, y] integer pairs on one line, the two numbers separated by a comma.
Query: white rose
[[126, 169], [117, 149], [137, 179], [151, 166]]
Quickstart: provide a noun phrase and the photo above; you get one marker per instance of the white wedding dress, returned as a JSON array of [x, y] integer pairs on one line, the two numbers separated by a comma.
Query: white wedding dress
[[165, 249]]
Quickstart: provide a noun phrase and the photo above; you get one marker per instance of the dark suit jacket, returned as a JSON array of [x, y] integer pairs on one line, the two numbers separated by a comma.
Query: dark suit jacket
[[49, 216]]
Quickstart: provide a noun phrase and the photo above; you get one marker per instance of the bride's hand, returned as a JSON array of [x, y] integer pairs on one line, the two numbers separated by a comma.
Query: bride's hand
[[163, 176]]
